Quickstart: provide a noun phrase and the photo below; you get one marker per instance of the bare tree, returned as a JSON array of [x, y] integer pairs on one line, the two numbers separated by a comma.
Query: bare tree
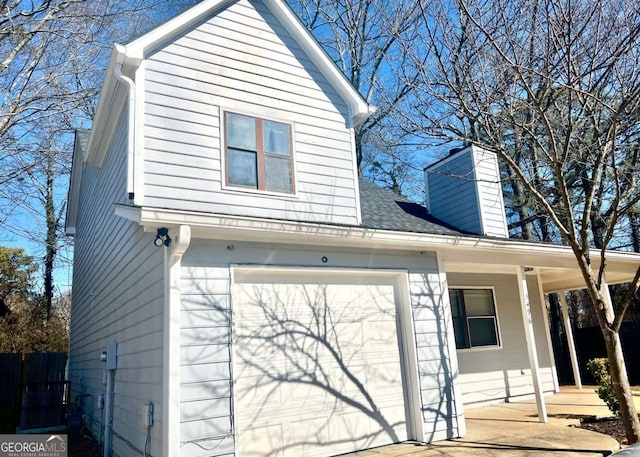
[[53, 54], [553, 87], [368, 41]]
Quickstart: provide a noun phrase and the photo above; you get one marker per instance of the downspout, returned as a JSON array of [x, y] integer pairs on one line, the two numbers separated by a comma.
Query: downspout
[[111, 357], [108, 408], [117, 72], [171, 357]]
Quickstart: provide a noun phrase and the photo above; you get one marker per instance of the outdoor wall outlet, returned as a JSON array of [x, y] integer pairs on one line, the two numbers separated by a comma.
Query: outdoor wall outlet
[[104, 377]]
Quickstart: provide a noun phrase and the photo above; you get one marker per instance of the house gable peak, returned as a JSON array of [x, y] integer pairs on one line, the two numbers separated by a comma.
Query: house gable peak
[[140, 48]]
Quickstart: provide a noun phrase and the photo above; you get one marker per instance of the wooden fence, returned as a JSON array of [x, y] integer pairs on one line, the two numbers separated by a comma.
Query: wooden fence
[[32, 390]]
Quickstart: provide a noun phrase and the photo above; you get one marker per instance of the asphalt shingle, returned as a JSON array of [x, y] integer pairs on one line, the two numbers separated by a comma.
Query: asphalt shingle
[[385, 210]]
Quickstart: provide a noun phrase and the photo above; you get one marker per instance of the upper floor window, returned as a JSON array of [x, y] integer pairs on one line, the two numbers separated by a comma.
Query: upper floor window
[[258, 153], [474, 318]]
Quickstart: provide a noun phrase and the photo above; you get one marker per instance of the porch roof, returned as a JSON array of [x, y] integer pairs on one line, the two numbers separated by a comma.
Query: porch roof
[[558, 268]]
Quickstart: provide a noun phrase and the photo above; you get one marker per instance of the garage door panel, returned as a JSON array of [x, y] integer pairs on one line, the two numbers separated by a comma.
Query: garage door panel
[[260, 438], [301, 436], [319, 357], [262, 390], [380, 332], [349, 333], [384, 376]]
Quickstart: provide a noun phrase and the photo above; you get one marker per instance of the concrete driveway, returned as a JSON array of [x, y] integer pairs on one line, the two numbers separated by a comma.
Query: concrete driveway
[[513, 430]]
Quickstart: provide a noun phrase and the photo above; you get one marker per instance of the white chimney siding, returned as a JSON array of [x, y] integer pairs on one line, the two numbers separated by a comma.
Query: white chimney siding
[[464, 190]]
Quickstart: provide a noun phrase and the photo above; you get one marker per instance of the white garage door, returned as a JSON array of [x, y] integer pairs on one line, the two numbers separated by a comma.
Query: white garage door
[[316, 364]]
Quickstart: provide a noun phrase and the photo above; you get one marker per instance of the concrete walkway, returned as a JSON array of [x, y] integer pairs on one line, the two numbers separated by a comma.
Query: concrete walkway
[[513, 430]]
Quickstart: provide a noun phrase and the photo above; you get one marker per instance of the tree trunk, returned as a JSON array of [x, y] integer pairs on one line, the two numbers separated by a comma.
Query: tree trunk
[[359, 152], [621, 386], [52, 229], [635, 231]]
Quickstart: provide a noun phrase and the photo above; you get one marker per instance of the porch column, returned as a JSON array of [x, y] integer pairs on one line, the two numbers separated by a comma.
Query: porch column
[[570, 341], [547, 331], [525, 306]]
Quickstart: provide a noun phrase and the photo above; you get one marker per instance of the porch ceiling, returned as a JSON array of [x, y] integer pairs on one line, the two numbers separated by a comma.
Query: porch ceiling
[[558, 270]]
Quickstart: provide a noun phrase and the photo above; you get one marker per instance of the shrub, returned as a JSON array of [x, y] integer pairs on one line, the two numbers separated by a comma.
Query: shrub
[[599, 368]]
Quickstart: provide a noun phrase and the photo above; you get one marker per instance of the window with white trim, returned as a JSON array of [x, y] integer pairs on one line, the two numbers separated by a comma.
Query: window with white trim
[[259, 153], [474, 318]]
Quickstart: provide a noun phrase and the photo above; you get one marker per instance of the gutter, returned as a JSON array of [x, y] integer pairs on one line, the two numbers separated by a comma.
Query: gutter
[[205, 225], [117, 72]]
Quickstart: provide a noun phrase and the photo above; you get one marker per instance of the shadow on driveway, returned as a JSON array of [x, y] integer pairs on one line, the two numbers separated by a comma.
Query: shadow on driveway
[[513, 430]]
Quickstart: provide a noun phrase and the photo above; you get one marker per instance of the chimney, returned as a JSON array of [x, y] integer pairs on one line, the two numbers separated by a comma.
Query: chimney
[[464, 190]]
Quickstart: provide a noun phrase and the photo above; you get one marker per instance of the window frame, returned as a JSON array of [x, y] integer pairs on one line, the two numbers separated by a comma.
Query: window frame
[[261, 155], [466, 318]]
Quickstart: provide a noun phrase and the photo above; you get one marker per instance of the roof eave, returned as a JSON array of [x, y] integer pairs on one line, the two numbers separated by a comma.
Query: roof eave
[[359, 108], [216, 226], [134, 53], [73, 193], [96, 149]]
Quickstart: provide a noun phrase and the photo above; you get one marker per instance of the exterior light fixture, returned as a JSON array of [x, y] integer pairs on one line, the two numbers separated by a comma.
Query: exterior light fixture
[[162, 237]]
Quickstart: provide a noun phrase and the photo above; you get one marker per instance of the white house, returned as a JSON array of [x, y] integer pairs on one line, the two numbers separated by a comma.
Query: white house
[[239, 291]]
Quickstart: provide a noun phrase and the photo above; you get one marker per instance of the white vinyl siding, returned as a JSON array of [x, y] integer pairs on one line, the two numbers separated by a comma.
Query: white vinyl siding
[[452, 192], [242, 60], [490, 193], [464, 190], [117, 297], [205, 371], [490, 374], [432, 320], [206, 289]]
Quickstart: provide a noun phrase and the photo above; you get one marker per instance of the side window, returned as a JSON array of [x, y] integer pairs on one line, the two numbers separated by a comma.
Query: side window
[[474, 318], [259, 153]]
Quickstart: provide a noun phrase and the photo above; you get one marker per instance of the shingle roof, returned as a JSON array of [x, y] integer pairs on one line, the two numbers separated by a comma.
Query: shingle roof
[[385, 210]]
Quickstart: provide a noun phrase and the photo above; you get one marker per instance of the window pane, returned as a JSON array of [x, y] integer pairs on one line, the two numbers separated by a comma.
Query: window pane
[[276, 137], [242, 168], [457, 313], [278, 173], [459, 333], [241, 132], [479, 302], [482, 331], [456, 302]]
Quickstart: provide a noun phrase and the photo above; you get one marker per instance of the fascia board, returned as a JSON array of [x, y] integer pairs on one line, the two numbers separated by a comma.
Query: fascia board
[[453, 248], [73, 194], [135, 52], [96, 150], [140, 48], [132, 55], [359, 107]]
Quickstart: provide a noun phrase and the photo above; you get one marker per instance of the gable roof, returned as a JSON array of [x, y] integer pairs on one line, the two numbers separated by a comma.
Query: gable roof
[[150, 42], [385, 210], [130, 57]]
